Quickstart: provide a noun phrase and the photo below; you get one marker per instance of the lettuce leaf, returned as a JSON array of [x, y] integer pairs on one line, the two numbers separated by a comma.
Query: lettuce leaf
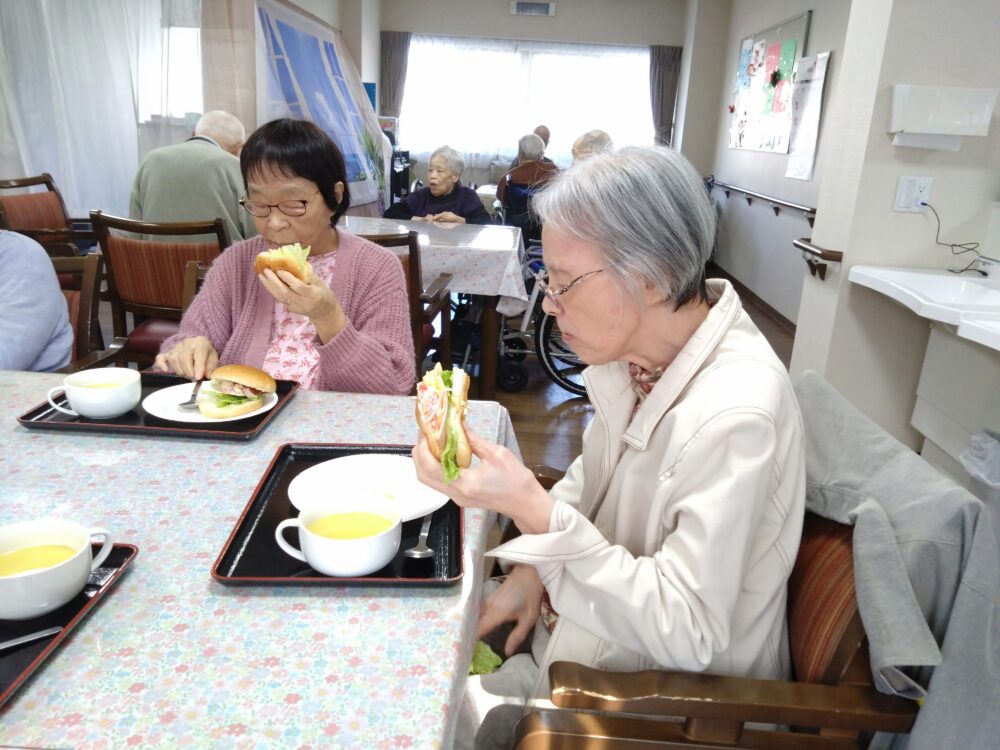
[[295, 251], [448, 460], [484, 659], [227, 399]]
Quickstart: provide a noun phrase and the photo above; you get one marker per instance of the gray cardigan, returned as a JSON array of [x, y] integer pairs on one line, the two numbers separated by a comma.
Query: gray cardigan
[[927, 571]]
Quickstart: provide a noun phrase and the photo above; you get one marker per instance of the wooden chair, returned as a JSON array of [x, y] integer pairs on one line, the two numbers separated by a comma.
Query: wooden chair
[[425, 304], [146, 277], [43, 217], [194, 274], [82, 301], [830, 704]]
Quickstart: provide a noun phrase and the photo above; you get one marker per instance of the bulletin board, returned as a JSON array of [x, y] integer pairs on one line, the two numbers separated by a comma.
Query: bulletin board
[[761, 108]]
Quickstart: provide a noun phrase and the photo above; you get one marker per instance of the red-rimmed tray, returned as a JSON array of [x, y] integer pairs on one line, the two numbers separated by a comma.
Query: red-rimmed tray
[[139, 422], [251, 556], [19, 663]]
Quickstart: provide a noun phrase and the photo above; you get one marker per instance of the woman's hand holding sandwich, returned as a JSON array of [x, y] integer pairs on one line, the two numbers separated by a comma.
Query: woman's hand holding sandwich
[[500, 482], [314, 300]]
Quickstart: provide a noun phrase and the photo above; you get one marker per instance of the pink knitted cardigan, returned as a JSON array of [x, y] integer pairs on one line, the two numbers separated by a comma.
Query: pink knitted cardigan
[[373, 354]]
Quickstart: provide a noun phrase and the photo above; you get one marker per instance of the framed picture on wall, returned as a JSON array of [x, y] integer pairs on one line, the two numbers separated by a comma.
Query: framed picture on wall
[[761, 118]]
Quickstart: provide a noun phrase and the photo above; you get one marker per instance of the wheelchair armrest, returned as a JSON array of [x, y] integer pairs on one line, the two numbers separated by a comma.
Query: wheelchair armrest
[[702, 696]]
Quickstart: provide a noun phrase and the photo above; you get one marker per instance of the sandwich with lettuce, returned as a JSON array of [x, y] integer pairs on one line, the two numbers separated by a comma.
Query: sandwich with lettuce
[[291, 258], [442, 403]]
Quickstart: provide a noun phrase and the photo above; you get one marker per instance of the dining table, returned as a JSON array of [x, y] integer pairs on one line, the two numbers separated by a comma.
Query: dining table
[[173, 658], [484, 260]]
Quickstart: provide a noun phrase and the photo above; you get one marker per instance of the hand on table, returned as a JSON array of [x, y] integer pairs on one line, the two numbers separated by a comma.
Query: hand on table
[[193, 358], [518, 600], [445, 217], [500, 483]]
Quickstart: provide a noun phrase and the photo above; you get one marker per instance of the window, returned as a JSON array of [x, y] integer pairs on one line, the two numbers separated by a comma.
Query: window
[[480, 96]]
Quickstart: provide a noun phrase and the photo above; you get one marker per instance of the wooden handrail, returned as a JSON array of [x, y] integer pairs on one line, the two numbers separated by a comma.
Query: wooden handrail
[[817, 257], [776, 203]]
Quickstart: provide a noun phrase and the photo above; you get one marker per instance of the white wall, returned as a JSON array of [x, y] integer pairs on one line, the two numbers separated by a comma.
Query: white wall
[[754, 245], [327, 11], [640, 22], [361, 23], [868, 347], [696, 119]]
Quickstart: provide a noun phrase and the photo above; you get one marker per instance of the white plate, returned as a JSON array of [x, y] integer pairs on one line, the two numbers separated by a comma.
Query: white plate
[[163, 404], [367, 474]]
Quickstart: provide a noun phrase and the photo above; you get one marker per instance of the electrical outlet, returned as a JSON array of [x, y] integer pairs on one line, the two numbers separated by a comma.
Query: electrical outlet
[[911, 192]]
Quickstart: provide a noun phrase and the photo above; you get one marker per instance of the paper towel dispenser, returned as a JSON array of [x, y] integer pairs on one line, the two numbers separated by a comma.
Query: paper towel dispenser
[[938, 116]]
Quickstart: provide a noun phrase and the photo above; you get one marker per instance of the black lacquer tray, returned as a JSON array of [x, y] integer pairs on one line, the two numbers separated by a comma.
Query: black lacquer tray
[[17, 664], [138, 422], [251, 556]]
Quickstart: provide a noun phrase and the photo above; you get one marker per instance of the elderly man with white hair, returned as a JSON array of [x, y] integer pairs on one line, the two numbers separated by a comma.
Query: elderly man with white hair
[[196, 180], [590, 143], [445, 199]]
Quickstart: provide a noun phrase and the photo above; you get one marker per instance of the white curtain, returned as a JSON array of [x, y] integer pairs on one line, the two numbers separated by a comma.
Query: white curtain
[[480, 96], [83, 85]]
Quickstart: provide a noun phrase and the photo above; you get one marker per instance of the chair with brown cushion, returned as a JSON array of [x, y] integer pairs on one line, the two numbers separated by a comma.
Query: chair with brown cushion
[[146, 277], [42, 216], [830, 703], [194, 275], [425, 304], [82, 302]]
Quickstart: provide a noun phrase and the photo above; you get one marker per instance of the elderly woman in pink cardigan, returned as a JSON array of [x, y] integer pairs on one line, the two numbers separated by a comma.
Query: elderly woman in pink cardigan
[[347, 329]]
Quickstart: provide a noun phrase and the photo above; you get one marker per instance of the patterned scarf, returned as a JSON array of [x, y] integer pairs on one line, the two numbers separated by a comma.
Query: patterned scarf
[[643, 382]]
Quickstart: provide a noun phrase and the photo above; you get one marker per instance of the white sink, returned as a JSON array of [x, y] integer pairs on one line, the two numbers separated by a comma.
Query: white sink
[[936, 295], [982, 331]]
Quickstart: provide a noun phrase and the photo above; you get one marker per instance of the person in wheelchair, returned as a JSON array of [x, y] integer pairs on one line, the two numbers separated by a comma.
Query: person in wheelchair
[[669, 542], [445, 199], [518, 185]]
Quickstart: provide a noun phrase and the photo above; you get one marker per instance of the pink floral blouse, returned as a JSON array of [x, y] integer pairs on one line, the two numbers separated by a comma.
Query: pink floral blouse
[[291, 351]]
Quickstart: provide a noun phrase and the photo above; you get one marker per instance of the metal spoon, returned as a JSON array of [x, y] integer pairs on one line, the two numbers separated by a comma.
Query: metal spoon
[[420, 549], [37, 636], [192, 403]]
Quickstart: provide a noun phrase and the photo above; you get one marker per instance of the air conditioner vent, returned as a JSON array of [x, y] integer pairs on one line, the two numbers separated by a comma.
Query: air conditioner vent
[[532, 9]]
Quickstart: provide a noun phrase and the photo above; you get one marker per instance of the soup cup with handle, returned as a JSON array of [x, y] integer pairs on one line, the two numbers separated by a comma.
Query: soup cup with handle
[[345, 539], [58, 558], [101, 393]]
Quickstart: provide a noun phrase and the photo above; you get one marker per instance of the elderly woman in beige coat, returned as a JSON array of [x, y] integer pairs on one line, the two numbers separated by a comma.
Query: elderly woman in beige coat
[[671, 538]]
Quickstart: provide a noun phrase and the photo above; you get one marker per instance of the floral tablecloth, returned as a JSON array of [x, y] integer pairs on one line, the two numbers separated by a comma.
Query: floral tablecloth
[[173, 659], [482, 259]]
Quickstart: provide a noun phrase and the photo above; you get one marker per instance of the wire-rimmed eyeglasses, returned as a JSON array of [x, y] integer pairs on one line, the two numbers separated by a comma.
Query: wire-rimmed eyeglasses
[[542, 279], [262, 210]]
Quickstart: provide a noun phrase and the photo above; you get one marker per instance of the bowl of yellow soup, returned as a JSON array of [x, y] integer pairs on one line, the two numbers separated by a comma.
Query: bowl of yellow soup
[[345, 539], [44, 564]]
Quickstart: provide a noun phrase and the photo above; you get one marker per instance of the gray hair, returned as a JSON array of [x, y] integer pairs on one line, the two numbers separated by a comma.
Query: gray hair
[[592, 142], [647, 212], [455, 161], [531, 147], [223, 128]]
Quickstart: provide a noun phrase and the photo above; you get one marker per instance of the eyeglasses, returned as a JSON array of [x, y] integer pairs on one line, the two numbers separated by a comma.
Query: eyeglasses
[[542, 279], [262, 210]]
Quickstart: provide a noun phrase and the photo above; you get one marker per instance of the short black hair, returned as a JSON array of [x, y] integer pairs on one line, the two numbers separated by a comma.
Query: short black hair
[[298, 148]]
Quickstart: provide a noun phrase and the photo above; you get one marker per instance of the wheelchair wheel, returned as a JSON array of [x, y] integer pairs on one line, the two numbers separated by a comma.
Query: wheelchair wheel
[[558, 360], [511, 376], [516, 349]]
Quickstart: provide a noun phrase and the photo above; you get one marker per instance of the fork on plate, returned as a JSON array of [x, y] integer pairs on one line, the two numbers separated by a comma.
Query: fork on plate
[[192, 403]]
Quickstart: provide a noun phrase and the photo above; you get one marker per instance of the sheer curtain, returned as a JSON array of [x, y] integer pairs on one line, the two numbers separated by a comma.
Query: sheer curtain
[[480, 96], [75, 78]]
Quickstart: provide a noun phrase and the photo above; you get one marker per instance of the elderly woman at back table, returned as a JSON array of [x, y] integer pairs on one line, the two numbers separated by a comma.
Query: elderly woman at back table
[[346, 329], [669, 542], [445, 199]]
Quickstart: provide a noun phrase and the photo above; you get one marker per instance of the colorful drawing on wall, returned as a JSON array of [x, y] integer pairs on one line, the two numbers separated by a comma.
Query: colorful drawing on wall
[[761, 117]]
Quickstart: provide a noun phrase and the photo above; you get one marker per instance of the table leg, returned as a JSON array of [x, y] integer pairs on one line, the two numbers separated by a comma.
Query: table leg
[[489, 345]]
